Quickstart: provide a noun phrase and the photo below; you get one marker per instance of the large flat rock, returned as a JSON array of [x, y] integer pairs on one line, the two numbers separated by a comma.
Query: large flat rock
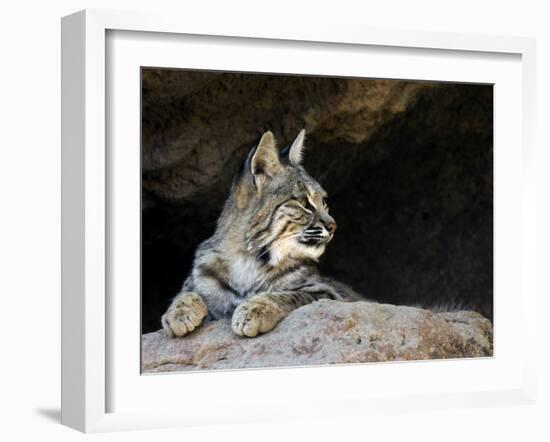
[[326, 332]]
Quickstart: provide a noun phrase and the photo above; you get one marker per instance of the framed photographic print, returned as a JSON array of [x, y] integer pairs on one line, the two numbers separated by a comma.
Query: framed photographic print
[[261, 211]]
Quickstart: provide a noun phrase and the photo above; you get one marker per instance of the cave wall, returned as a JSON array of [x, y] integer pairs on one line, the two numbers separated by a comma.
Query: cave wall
[[407, 165]]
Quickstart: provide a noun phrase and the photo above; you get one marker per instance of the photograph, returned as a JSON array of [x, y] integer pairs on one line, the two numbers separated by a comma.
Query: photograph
[[298, 220]]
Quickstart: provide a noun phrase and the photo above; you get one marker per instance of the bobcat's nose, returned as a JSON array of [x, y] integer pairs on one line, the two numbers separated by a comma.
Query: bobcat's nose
[[331, 227]]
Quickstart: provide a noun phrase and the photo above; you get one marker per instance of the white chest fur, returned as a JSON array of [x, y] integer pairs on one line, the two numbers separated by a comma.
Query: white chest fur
[[244, 273]]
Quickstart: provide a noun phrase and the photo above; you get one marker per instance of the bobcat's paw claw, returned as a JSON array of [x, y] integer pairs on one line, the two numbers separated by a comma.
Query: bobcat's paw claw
[[184, 315]]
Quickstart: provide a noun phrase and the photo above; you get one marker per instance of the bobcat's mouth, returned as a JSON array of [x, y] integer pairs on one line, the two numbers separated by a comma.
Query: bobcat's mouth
[[315, 236]]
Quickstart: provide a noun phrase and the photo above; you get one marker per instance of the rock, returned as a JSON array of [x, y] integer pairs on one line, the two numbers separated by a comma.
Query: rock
[[326, 332], [197, 124]]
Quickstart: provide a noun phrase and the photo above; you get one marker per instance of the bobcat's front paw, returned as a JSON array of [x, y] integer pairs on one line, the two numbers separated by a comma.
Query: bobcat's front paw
[[184, 315], [259, 314]]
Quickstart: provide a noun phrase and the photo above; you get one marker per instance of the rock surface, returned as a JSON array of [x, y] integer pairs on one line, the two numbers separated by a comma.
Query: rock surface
[[326, 332], [196, 125]]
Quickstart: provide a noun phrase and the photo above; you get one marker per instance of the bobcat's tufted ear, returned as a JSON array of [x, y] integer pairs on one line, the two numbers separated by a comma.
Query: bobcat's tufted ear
[[265, 160], [261, 163], [295, 151]]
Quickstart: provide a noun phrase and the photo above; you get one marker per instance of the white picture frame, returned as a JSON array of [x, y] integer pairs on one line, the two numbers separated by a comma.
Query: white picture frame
[[86, 204]]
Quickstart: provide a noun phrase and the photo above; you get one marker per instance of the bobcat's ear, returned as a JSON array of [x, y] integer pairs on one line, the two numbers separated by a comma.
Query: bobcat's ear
[[295, 151], [265, 160]]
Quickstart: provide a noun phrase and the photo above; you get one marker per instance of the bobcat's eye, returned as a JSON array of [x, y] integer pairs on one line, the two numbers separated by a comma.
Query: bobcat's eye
[[325, 205], [303, 201]]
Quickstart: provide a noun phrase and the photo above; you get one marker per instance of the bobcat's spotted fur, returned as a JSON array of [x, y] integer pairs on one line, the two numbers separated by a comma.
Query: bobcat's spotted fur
[[261, 262]]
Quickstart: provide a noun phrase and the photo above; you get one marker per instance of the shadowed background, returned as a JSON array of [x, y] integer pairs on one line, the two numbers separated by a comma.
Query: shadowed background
[[408, 167]]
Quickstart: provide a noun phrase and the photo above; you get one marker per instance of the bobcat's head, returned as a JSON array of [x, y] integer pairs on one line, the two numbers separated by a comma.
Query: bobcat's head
[[284, 208]]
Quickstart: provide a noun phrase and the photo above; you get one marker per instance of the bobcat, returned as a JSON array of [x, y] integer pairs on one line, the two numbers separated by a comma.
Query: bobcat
[[261, 262]]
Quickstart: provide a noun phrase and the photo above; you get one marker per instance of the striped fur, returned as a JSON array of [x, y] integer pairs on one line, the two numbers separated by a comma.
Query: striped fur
[[261, 262]]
